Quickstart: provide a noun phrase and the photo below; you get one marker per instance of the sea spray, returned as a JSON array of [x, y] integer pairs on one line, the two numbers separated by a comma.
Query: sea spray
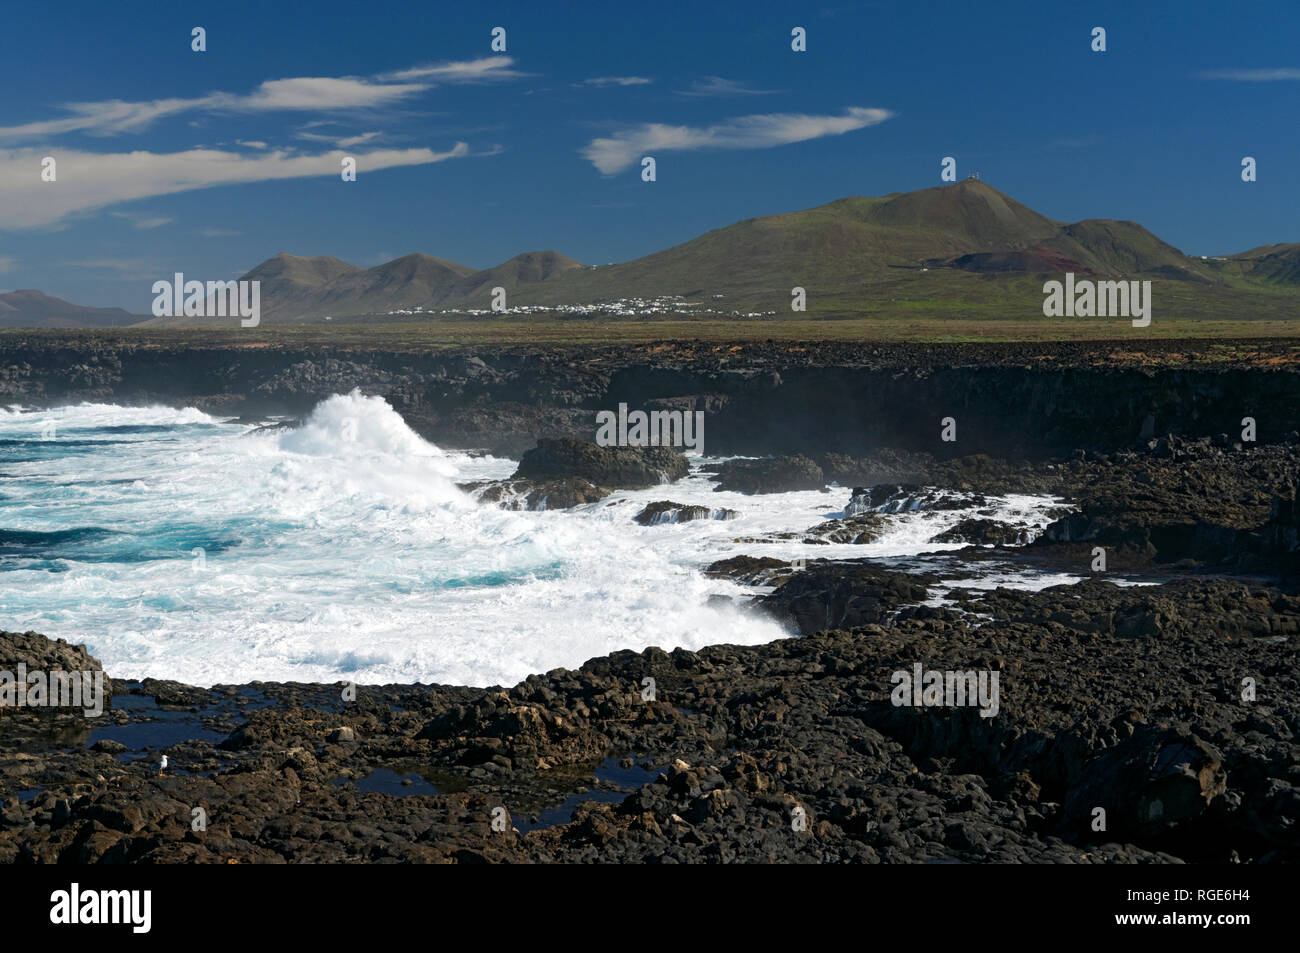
[[343, 550], [340, 549]]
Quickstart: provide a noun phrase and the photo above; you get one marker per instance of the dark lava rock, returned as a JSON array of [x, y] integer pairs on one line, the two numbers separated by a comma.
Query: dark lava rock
[[171, 694], [883, 466], [906, 497], [537, 495], [629, 468], [48, 656], [1184, 502], [1169, 779], [665, 511], [752, 570], [834, 595], [857, 529], [983, 531], [1132, 700], [837, 402], [774, 475], [1283, 526]]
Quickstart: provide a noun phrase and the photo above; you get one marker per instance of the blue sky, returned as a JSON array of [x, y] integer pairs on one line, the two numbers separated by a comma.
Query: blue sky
[[208, 163]]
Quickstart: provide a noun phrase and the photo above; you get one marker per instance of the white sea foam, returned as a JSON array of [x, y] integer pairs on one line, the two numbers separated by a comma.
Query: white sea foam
[[339, 550], [342, 549]]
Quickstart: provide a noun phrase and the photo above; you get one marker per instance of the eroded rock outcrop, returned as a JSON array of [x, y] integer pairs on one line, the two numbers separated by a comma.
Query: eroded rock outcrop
[[1127, 700]]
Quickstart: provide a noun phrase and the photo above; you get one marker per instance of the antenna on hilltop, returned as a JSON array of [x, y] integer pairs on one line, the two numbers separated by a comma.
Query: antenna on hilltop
[[974, 175]]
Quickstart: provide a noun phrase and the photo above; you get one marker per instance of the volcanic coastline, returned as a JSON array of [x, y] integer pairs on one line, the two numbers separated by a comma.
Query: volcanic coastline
[[1172, 707]]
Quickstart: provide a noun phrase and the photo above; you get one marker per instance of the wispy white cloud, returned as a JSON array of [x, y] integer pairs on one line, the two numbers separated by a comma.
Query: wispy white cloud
[[219, 233], [616, 81], [142, 222], [324, 92], [108, 117], [93, 180], [615, 153], [251, 143], [347, 142], [719, 87], [303, 93], [123, 268], [1253, 75], [343, 142], [489, 69], [7, 264]]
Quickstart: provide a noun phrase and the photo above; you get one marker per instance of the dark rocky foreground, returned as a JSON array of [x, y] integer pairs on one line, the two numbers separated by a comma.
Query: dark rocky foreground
[[1129, 700], [1174, 708]]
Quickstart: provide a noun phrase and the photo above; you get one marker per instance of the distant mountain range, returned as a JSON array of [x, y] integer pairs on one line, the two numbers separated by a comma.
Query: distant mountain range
[[1277, 263], [854, 254], [32, 309], [296, 288]]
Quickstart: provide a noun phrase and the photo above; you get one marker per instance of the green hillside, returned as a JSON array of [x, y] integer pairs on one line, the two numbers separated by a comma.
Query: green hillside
[[964, 249]]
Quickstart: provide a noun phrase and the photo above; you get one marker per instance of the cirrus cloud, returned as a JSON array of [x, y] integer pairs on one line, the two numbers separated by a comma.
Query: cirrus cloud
[[1253, 75], [614, 153], [616, 81], [302, 93], [487, 69], [720, 86], [89, 180]]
